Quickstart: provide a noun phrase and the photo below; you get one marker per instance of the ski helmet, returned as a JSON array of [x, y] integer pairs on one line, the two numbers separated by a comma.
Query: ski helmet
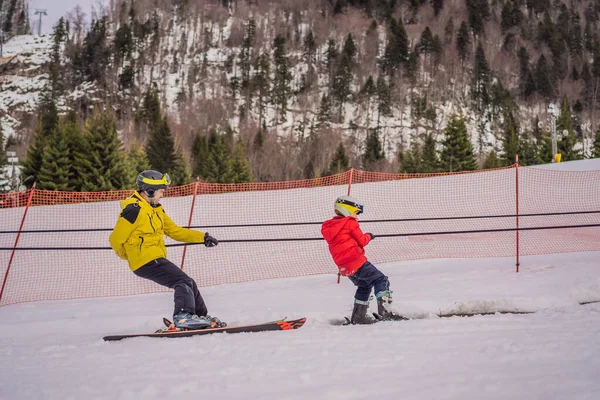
[[347, 206], [150, 181]]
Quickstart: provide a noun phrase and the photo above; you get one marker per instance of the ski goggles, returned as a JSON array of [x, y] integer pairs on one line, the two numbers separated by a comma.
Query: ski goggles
[[359, 207], [164, 181]]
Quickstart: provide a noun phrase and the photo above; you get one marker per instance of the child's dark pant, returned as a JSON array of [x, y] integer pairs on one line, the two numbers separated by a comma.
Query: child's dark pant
[[366, 278], [187, 296]]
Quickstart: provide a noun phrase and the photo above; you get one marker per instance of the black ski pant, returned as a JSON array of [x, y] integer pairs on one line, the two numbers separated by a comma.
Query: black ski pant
[[366, 278], [187, 296]]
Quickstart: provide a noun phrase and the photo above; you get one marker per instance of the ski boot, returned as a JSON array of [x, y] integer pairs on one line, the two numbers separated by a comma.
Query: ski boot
[[359, 313], [384, 313], [185, 321], [216, 322]]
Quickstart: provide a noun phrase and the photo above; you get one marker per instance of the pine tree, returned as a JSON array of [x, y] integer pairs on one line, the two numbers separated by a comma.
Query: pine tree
[[457, 150], [492, 160], [33, 162], [510, 142], [506, 17], [449, 31], [575, 38], [180, 174], [373, 149], [340, 162], [438, 5], [150, 111], [397, 48], [95, 54], [479, 13], [162, 154], [108, 161], [310, 56], [384, 97], [137, 161], [199, 154], [81, 170], [261, 84], [324, 113], [528, 151], [411, 160], [218, 167], [123, 42], [23, 27], [54, 173], [545, 78], [429, 156], [259, 140], [482, 77], [426, 41], [596, 149], [545, 150], [343, 77], [411, 66], [281, 90], [526, 80], [3, 156], [587, 91], [246, 58], [8, 19], [463, 40], [241, 170], [160, 149], [48, 122], [566, 146], [331, 56]]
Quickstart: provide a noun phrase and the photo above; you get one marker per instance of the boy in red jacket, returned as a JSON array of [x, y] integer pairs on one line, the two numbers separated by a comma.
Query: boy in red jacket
[[346, 244]]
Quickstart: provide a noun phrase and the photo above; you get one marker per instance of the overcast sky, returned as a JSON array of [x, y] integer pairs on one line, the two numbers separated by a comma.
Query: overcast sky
[[57, 9]]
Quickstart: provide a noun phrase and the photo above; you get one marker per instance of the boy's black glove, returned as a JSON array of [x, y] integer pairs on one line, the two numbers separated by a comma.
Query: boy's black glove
[[370, 234], [210, 241]]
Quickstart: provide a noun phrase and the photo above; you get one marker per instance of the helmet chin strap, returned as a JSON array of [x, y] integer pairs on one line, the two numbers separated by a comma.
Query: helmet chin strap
[[150, 197]]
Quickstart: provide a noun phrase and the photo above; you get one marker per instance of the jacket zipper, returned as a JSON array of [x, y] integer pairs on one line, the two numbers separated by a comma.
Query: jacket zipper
[[141, 244], [162, 224], [151, 225]]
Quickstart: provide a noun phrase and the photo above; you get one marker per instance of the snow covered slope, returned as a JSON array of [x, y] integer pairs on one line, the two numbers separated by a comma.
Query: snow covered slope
[[54, 350], [593, 164]]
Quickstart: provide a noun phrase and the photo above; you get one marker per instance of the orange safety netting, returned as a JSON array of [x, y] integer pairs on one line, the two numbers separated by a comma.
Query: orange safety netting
[[272, 229]]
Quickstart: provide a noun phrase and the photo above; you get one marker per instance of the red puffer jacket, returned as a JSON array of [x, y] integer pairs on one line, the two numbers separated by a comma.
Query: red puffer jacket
[[346, 242]]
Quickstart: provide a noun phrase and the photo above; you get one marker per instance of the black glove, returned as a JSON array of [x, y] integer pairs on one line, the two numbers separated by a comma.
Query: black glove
[[370, 234], [210, 241]]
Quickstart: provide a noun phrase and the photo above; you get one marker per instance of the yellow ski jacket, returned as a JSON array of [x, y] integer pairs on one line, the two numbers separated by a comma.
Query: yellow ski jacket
[[138, 236]]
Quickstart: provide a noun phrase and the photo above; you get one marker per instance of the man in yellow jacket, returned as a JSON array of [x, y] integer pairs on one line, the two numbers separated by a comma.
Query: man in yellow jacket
[[138, 237]]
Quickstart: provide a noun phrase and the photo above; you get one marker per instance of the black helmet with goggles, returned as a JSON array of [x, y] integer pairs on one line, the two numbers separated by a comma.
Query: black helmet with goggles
[[150, 181]]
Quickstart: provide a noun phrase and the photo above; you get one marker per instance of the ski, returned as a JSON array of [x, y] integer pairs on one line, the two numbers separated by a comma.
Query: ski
[[378, 318], [173, 333]]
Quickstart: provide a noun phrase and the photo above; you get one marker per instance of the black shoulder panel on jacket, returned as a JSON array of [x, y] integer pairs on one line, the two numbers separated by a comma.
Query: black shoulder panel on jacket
[[130, 213]]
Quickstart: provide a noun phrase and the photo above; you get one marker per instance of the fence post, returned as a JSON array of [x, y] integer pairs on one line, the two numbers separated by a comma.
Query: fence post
[[517, 209], [190, 220], [350, 180], [12, 255]]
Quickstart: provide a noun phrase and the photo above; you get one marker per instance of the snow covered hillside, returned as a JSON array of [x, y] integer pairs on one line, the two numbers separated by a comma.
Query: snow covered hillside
[[22, 78]]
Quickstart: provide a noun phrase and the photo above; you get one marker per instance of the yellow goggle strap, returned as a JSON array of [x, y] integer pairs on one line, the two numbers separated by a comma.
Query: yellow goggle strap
[[166, 180], [349, 208]]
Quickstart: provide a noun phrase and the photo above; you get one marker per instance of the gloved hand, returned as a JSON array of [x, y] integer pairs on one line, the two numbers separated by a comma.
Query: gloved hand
[[370, 234], [210, 241]]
